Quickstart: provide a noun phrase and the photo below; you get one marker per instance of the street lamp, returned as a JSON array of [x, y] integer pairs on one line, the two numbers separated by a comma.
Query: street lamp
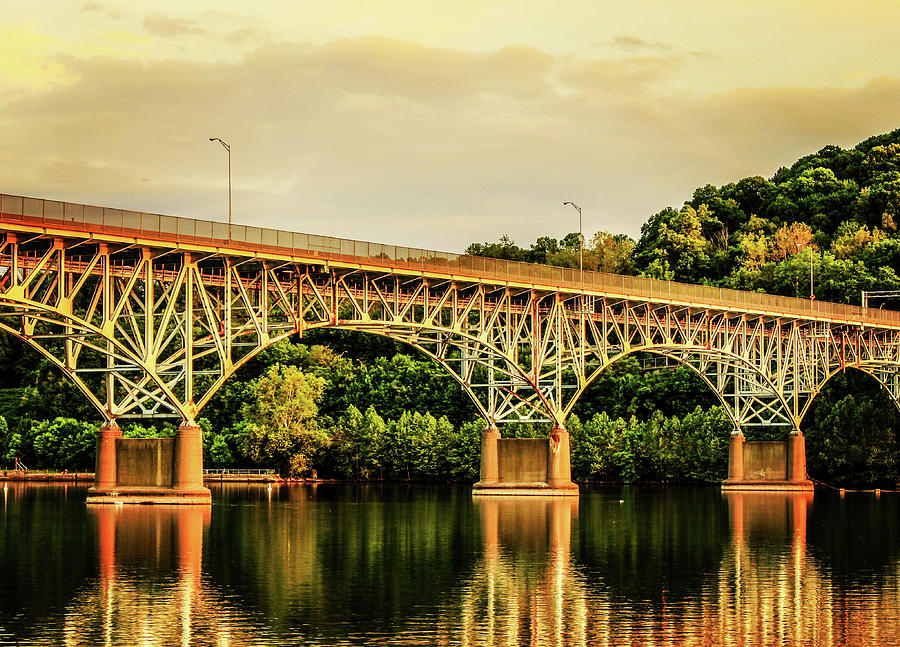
[[227, 148], [812, 256], [580, 241]]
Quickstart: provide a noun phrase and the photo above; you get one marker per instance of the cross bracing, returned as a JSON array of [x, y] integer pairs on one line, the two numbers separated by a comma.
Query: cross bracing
[[152, 322]]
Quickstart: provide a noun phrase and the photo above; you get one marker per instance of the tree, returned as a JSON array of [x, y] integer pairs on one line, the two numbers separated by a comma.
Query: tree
[[372, 445], [505, 249], [852, 432], [220, 453], [281, 420], [608, 253], [63, 443], [754, 251], [543, 249], [348, 442], [790, 239], [682, 247]]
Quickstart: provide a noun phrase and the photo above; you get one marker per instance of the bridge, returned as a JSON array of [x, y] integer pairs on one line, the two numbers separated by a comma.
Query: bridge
[[149, 314]]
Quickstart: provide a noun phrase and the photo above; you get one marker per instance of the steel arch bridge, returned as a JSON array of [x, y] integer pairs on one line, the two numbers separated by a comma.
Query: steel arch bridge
[[148, 315]]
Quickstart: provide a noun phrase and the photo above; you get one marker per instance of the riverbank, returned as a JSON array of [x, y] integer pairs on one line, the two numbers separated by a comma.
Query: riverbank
[[88, 477], [31, 475]]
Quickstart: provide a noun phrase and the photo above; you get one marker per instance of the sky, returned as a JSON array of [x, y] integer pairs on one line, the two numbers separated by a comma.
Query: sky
[[432, 124]]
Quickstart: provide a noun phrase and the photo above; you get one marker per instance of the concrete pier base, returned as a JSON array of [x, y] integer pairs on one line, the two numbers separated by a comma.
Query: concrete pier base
[[149, 470], [778, 465], [490, 466], [525, 466]]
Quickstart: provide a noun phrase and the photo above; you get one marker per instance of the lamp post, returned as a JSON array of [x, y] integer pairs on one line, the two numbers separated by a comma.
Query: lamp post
[[812, 255], [227, 148], [580, 241]]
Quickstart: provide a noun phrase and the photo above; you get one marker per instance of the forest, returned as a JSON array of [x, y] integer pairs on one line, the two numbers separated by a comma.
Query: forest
[[352, 406]]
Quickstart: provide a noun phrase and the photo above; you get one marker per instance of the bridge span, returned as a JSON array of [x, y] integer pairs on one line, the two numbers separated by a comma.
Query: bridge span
[[149, 314]]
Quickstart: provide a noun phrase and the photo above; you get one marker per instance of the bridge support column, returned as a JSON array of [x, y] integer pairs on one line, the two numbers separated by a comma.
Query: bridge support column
[[490, 466], [796, 467], [188, 460], [105, 470], [767, 464], [736, 457], [559, 464]]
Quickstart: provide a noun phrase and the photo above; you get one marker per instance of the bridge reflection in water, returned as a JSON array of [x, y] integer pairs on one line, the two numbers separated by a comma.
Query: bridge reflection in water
[[786, 596], [509, 601], [151, 589], [766, 588], [401, 566]]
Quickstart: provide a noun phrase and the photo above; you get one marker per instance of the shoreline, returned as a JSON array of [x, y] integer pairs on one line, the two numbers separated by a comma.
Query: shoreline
[[88, 477]]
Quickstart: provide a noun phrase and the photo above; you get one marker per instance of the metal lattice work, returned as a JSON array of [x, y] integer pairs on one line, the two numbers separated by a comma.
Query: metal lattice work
[[151, 324]]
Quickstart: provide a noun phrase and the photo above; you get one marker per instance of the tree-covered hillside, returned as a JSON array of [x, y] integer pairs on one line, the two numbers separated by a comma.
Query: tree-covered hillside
[[842, 207]]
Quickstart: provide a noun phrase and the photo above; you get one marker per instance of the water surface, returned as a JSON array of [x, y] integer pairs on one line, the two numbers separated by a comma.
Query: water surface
[[421, 565]]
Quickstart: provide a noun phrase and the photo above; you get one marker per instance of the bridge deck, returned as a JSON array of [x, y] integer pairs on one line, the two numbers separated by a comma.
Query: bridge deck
[[18, 213]]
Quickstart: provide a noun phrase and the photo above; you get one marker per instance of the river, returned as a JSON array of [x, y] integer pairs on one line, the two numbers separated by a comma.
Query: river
[[431, 565]]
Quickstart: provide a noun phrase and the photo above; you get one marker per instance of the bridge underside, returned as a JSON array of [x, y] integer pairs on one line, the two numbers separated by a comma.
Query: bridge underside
[[151, 326]]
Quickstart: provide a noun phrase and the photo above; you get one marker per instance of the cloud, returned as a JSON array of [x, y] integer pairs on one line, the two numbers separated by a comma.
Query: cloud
[[169, 27], [95, 7], [393, 141], [247, 35], [633, 42]]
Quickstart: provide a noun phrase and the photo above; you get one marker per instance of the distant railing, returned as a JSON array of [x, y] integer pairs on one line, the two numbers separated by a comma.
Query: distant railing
[[188, 230], [228, 471]]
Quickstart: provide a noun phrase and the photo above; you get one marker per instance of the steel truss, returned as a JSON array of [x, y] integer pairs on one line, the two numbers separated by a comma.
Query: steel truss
[[147, 330]]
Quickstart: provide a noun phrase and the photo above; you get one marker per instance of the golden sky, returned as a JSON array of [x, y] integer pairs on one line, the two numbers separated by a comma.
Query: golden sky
[[432, 123]]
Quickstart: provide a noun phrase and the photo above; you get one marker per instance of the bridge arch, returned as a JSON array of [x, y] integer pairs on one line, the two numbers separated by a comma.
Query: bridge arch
[[434, 342], [78, 335], [59, 365], [754, 400], [887, 379]]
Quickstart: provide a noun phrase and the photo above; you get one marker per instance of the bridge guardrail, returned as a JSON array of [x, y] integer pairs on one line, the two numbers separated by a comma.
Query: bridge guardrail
[[188, 230]]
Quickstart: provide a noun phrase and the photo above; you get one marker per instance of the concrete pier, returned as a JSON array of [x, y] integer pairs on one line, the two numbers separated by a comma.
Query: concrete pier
[[525, 466], [149, 470], [767, 464]]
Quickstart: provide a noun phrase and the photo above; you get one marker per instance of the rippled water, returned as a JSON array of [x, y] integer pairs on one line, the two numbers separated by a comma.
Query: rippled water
[[418, 565]]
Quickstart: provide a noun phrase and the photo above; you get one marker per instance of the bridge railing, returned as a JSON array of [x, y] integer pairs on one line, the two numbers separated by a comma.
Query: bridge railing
[[188, 230], [239, 471]]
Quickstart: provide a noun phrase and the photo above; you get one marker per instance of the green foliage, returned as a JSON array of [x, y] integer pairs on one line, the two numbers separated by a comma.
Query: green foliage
[[136, 430], [53, 395], [852, 433], [220, 452], [61, 443], [280, 419], [633, 387], [11, 401], [689, 448], [602, 252], [402, 383]]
